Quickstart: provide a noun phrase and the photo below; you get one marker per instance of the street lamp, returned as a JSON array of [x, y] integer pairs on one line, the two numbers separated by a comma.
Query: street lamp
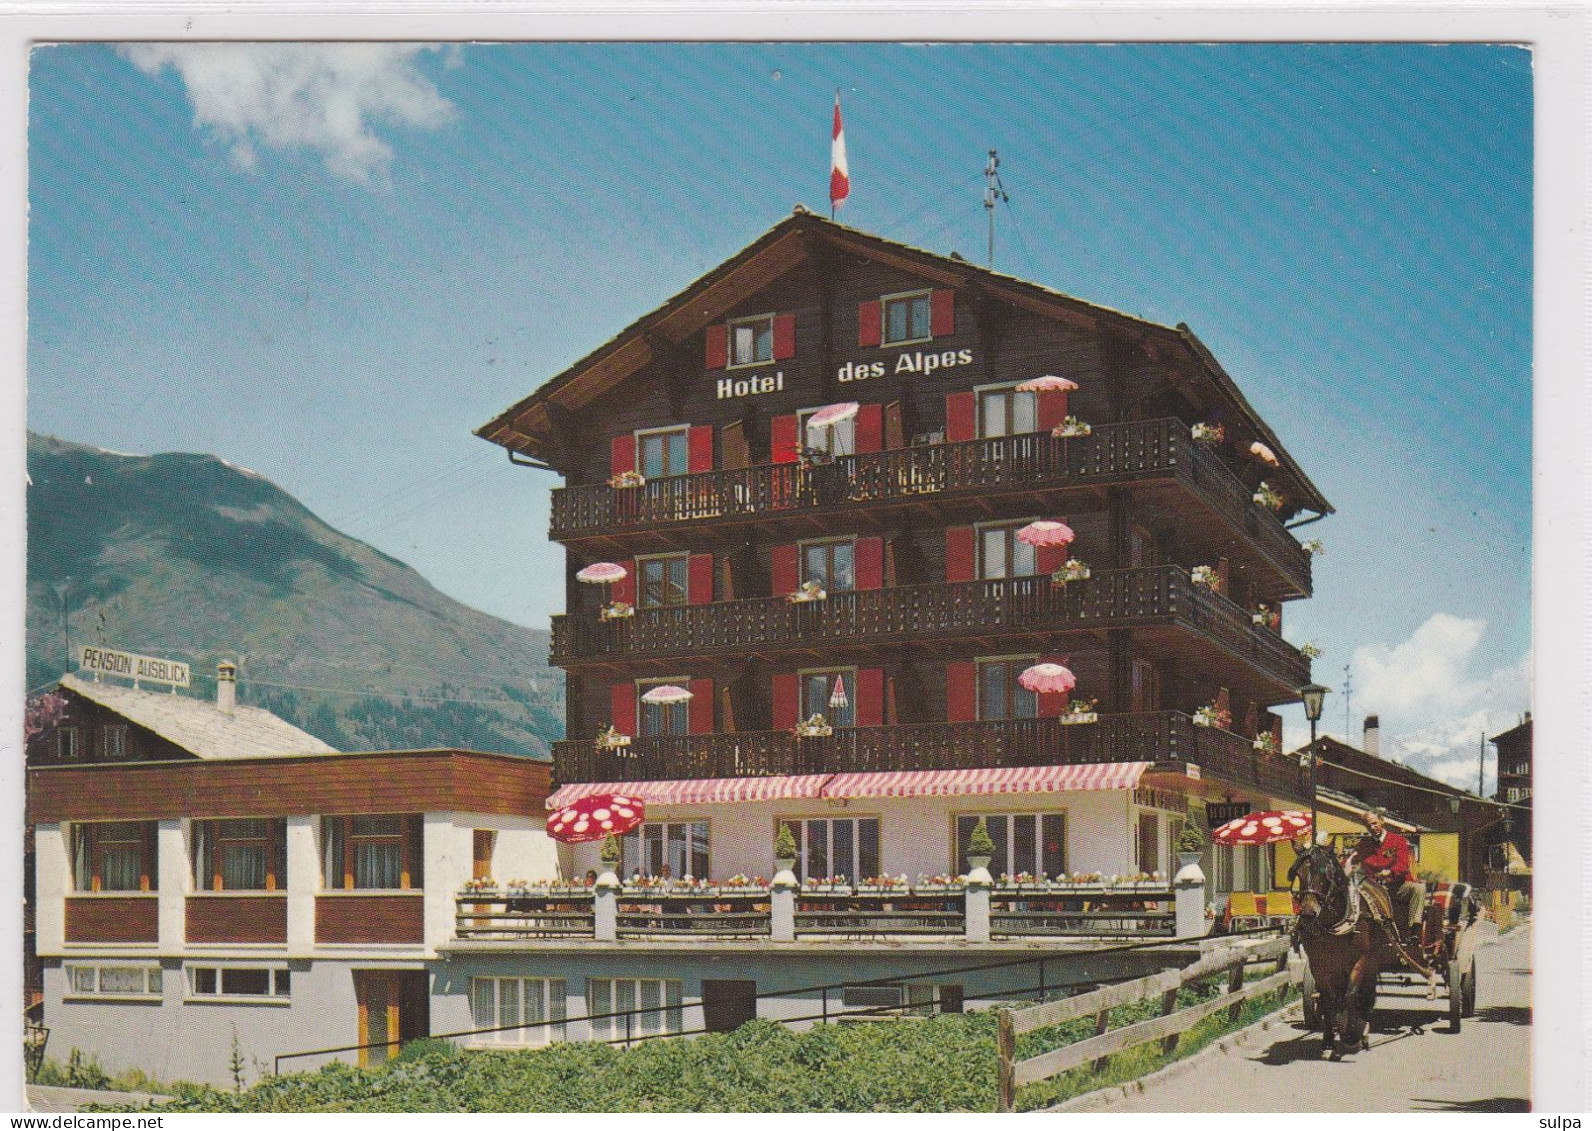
[[1312, 695]]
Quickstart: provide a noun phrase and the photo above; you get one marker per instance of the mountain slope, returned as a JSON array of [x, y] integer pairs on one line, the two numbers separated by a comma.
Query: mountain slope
[[190, 557]]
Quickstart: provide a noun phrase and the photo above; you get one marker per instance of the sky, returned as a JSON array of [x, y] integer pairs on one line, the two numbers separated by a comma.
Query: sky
[[332, 263]]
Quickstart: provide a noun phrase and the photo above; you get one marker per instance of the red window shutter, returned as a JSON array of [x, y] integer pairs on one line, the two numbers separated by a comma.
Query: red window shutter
[[870, 697], [1222, 578], [961, 691], [718, 348], [699, 447], [961, 417], [1052, 704], [893, 436], [1276, 611], [624, 454], [783, 571], [1276, 727], [699, 586], [785, 705], [868, 554], [960, 554], [870, 324], [1048, 559], [625, 588], [784, 336], [1224, 700], [624, 707], [699, 712], [782, 436], [942, 313], [870, 428], [1052, 409]]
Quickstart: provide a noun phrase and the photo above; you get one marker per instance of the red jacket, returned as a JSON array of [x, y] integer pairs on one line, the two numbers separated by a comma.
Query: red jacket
[[1393, 855]]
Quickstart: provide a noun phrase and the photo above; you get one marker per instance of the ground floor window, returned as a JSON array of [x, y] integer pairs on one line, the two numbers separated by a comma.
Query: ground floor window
[[831, 847], [1035, 843], [240, 981], [659, 998], [1245, 868], [1149, 842], [673, 849], [516, 1009], [85, 980]]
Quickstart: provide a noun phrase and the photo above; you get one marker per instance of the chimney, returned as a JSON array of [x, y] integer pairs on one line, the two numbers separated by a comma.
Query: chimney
[[226, 686], [1372, 743]]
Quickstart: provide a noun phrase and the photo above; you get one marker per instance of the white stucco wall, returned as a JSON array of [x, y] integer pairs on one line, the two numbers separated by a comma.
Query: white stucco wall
[[52, 877], [915, 834], [522, 849]]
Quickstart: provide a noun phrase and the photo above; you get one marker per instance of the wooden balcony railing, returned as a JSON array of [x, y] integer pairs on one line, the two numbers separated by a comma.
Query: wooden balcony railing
[[1159, 594], [1114, 453], [1153, 736]]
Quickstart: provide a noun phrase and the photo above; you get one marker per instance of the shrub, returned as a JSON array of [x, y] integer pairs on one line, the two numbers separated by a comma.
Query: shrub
[[785, 843], [611, 852], [1191, 838], [979, 842], [423, 1047]]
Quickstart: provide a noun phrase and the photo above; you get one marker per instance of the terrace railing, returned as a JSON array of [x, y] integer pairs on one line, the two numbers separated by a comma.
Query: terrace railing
[[1114, 453], [1115, 598], [1154, 736]]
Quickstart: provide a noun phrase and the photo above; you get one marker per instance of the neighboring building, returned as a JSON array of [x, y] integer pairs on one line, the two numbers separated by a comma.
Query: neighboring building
[[1509, 859], [1447, 827]]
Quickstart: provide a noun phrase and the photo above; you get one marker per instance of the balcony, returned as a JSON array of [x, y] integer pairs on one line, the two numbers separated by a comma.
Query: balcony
[[1156, 736], [948, 474], [923, 614]]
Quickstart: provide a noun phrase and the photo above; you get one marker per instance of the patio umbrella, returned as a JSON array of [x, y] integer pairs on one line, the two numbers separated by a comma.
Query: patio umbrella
[[1049, 383], [1045, 533], [602, 573], [595, 817], [1264, 454], [1047, 679], [666, 693], [837, 697], [1269, 827], [832, 414]]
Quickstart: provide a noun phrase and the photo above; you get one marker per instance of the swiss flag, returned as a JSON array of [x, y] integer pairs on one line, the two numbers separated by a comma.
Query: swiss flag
[[839, 178]]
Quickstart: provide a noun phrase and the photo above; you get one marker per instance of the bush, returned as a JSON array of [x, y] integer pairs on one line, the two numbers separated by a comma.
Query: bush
[[1191, 838], [422, 1047], [784, 843], [979, 842]]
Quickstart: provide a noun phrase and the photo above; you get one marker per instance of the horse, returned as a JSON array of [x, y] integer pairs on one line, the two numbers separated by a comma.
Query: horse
[[1346, 950]]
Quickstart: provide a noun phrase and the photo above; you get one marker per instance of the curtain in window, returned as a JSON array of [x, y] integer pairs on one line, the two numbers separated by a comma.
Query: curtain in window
[[377, 864], [82, 859], [243, 867], [332, 852], [120, 868], [200, 835]]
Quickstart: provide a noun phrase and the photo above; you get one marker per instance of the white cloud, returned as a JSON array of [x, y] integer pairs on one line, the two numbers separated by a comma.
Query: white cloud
[[325, 98]]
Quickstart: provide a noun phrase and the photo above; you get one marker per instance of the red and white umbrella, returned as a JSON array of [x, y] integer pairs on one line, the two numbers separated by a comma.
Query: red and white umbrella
[[666, 693], [1046, 533], [1269, 827], [1049, 383], [595, 817], [1264, 454], [832, 414], [602, 573], [837, 697], [1048, 679]]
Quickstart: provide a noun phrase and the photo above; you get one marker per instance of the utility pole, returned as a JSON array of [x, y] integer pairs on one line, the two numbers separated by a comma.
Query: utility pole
[[1348, 690], [993, 191], [1481, 765]]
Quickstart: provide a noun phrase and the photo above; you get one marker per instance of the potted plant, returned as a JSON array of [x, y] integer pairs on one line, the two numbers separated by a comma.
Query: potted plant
[[980, 846], [785, 851], [1071, 427], [611, 853], [1190, 843], [1074, 570], [1208, 433]]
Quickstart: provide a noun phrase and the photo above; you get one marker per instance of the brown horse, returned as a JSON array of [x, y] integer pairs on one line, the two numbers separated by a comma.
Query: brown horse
[[1346, 950]]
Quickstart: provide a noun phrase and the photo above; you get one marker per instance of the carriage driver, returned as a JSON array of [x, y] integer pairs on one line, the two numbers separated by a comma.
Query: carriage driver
[[1389, 865]]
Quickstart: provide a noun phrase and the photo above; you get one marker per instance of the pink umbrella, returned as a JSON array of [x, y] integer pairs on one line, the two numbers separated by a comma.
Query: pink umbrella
[[1048, 679], [596, 817], [602, 573], [1270, 827], [1264, 454], [1045, 533], [666, 693], [833, 414], [1049, 383]]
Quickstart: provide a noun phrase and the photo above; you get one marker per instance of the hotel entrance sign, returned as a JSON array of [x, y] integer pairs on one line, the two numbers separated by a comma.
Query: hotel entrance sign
[[132, 666]]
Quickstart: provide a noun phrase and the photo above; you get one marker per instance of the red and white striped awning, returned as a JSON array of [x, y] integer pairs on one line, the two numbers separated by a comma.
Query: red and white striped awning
[[956, 783], [697, 791]]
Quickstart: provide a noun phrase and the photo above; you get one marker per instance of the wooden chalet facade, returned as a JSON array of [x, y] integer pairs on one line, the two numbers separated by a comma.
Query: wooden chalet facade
[[687, 460]]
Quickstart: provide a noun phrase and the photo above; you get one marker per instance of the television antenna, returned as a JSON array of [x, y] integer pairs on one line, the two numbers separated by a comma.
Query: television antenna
[[993, 191]]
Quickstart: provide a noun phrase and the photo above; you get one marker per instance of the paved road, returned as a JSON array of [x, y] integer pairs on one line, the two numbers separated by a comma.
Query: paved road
[[47, 1099], [1485, 1067]]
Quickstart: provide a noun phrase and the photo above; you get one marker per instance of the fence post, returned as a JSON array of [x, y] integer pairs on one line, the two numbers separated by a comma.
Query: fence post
[[1169, 1007], [1006, 1055], [1235, 982], [1102, 1023]]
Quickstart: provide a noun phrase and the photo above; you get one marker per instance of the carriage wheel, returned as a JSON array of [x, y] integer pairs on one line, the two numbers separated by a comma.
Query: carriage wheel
[[1311, 1002], [1456, 996], [1468, 994]]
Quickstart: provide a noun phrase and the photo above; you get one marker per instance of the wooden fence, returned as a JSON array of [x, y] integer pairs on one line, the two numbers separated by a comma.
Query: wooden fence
[[1231, 961]]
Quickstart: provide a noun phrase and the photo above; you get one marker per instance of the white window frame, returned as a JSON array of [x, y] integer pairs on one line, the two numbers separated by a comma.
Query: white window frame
[[667, 1020], [801, 559], [885, 302], [279, 983], [641, 435], [641, 579], [979, 392], [958, 849], [153, 989], [633, 846], [551, 993], [1159, 815], [68, 744], [802, 711], [978, 677], [839, 439], [729, 342], [978, 544], [114, 741], [855, 820]]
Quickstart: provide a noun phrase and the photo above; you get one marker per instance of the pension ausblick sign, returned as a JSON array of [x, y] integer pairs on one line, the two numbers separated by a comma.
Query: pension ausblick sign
[[130, 665]]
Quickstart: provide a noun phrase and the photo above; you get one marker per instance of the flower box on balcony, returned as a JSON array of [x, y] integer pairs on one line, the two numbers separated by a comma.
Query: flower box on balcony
[[616, 611], [628, 479], [1071, 428], [1079, 718]]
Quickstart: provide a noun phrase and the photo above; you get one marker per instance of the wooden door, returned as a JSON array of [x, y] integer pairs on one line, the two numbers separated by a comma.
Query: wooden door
[[727, 1004], [379, 996]]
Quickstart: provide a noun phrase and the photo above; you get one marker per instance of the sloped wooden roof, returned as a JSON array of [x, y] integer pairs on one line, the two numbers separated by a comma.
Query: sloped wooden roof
[[528, 427]]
